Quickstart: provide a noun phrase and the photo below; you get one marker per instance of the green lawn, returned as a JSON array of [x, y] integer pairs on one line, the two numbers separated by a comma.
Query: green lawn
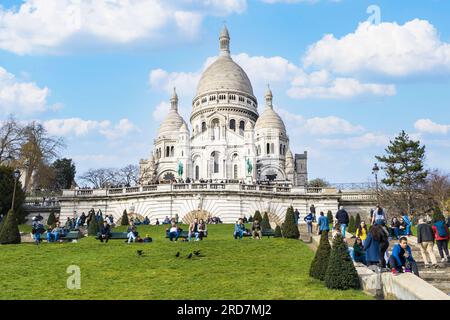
[[230, 269]]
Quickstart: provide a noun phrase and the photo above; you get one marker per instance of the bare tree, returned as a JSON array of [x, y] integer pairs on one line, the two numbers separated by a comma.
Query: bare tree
[[38, 148], [129, 175], [437, 188], [100, 178], [11, 139]]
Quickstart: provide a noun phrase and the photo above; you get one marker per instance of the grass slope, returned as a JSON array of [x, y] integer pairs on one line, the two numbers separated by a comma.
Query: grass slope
[[231, 269]]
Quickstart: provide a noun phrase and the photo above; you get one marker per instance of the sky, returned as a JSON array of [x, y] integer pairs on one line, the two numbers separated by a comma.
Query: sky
[[347, 76]]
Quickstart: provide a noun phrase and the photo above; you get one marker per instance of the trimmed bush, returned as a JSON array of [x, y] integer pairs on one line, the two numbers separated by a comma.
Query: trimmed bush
[[9, 233], [330, 216], [320, 263], [257, 216], [290, 229], [357, 221], [265, 223], [125, 220], [277, 232], [94, 227], [341, 273], [351, 225], [51, 221]]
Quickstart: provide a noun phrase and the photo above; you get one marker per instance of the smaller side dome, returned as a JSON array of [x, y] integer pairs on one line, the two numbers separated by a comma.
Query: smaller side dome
[[269, 119]]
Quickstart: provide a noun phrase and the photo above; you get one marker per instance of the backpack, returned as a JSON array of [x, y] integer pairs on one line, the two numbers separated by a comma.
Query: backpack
[[442, 232]]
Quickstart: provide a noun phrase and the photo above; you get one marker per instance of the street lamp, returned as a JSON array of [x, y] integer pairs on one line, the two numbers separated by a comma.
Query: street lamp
[[16, 174], [375, 171]]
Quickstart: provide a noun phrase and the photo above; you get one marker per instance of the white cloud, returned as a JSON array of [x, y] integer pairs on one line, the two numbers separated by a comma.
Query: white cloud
[[21, 97], [317, 126], [359, 142], [79, 127], [428, 126], [321, 84], [47, 25], [387, 49], [161, 111]]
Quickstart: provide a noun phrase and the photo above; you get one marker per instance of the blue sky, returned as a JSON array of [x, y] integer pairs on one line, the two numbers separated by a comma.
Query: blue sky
[[99, 73]]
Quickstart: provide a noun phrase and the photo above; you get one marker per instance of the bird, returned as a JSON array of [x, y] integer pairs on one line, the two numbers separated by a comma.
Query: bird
[[190, 255], [197, 252], [139, 252], [178, 254]]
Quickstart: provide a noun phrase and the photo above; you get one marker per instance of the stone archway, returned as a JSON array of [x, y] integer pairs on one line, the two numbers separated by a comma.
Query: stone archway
[[199, 214]]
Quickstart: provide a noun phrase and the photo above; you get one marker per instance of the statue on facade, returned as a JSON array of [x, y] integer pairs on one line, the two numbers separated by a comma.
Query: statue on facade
[[249, 167], [180, 169]]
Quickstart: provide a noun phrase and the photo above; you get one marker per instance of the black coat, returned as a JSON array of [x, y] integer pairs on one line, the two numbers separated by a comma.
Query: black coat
[[105, 229], [342, 217], [424, 233]]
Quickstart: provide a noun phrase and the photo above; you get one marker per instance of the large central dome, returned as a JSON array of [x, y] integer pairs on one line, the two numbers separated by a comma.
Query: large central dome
[[224, 74]]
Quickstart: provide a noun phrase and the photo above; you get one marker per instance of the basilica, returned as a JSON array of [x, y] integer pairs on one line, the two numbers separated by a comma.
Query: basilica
[[228, 139]]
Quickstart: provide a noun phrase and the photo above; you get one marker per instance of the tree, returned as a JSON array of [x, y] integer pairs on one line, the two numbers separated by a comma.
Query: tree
[[129, 175], [65, 171], [357, 221], [351, 225], [319, 264], [38, 148], [6, 193], [93, 227], [318, 183], [437, 189], [11, 138], [277, 233], [124, 221], [290, 229], [51, 221], [9, 232], [404, 167], [100, 178], [341, 273], [257, 216], [330, 216], [265, 223]]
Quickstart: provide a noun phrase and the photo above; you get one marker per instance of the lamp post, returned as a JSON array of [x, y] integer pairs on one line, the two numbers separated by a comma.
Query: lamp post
[[16, 177], [375, 171]]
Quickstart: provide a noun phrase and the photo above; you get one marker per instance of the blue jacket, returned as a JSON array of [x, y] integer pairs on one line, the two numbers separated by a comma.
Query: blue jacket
[[309, 218], [406, 219], [396, 254], [323, 223], [239, 228], [372, 249]]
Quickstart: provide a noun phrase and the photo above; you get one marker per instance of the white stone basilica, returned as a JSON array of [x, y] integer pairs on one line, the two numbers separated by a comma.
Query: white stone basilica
[[229, 139]]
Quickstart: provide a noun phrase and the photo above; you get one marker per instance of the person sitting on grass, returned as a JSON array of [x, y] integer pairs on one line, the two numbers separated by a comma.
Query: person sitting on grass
[[202, 229], [105, 232], [174, 232], [361, 232], [166, 220], [157, 222], [239, 229], [37, 228], [256, 229], [147, 239], [193, 230], [132, 232], [146, 221], [401, 257], [359, 254]]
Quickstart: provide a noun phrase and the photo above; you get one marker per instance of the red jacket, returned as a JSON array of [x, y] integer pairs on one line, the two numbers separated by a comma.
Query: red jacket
[[436, 234]]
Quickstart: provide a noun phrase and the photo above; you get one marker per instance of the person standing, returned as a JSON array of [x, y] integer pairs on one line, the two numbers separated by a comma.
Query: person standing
[[441, 234], [309, 220], [324, 225], [202, 229], [372, 245], [312, 209], [342, 219], [361, 232], [296, 216], [425, 239]]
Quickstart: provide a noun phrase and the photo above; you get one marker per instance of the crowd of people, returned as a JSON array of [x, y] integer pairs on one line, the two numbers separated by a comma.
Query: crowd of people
[[371, 246]]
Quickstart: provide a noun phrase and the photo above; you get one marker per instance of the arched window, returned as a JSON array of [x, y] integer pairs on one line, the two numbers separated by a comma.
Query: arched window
[[268, 148], [203, 126], [172, 151], [197, 172], [215, 156], [272, 148], [281, 149], [241, 127], [235, 171], [233, 124]]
